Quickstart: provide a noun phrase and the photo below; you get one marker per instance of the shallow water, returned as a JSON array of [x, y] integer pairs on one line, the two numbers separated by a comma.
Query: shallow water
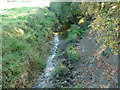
[[49, 69]]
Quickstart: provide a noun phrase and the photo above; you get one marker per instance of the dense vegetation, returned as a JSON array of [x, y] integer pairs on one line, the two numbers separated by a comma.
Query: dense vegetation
[[27, 36], [104, 16], [26, 32], [100, 19]]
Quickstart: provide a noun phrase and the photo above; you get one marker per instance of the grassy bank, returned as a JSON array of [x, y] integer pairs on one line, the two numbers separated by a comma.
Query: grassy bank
[[26, 41]]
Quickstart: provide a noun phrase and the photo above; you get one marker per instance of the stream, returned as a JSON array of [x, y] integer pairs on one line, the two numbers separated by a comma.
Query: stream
[[44, 79]]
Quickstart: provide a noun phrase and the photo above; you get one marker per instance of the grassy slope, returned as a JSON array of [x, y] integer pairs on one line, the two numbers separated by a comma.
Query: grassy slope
[[26, 43]]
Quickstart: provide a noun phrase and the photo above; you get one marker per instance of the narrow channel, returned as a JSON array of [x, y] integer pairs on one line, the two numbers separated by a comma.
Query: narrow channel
[[44, 79]]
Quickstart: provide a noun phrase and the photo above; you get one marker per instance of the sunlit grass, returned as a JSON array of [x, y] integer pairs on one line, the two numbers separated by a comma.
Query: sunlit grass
[[16, 14]]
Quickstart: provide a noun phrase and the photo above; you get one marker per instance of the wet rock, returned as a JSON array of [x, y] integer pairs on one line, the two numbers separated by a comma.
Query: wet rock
[[57, 86], [70, 67], [68, 79], [95, 86], [74, 73], [54, 81], [71, 76], [76, 45], [36, 87], [57, 81], [64, 61], [65, 83], [67, 64], [78, 76], [72, 81]]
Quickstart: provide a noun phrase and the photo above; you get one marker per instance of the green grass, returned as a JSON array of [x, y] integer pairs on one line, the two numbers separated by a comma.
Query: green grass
[[26, 36], [15, 14]]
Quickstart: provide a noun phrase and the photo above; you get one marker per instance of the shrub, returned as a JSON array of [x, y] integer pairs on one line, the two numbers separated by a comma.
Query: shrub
[[61, 70], [103, 53], [72, 54], [73, 33]]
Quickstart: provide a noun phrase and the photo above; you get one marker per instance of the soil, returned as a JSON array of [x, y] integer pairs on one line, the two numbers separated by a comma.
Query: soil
[[93, 70]]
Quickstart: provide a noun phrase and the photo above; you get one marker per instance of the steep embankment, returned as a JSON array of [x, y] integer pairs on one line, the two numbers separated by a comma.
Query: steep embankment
[[27, 37]]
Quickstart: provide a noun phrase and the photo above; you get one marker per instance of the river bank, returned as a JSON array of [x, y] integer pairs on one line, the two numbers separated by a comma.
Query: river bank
[[26, 44], [93, 70]]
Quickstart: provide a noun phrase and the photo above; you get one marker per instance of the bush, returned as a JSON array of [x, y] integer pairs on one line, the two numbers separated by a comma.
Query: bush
[[72, 54], [73, 33], [103, 53], [61, 70]]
